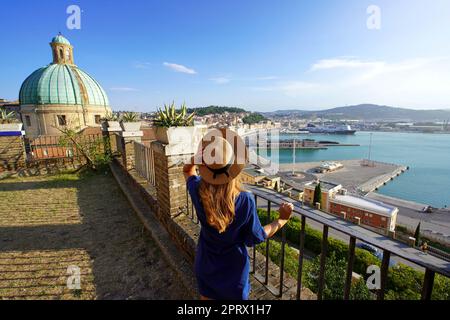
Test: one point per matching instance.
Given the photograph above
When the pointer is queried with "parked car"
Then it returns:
(375, 252)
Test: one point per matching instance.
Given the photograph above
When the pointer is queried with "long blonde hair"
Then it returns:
(218, 202)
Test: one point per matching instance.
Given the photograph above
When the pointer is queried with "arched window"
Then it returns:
(61, 54)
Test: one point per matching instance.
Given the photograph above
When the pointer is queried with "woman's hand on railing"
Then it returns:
(285, 214)
(285, 211)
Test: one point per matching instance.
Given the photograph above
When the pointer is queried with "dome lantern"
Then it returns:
(62, 50)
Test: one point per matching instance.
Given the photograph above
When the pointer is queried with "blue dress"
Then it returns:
(222, 263)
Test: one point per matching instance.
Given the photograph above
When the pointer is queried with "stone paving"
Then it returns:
(50, 223)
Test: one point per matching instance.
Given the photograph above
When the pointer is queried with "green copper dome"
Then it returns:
(60, 39)
(62, 84)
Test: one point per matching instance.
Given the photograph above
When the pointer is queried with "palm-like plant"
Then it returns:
(130, 117)
(110, 116)
(7, 117)
(170, 117)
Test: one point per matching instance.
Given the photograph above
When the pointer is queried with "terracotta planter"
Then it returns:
(131, 126)
(11, 127)
(175, 135)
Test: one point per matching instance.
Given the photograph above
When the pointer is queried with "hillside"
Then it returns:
(215, 110)
(367, 112)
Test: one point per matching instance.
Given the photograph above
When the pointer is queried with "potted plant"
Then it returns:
(174, 126)
(130, 121)
(111, 122)
(9, 122)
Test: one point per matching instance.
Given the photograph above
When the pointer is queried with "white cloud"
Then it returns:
(415, 82)
(141, 65)
(292, 88)
(179, 68)
(224, 79)
(221, 80)
(421, 83)
(265, 78)
(123, 89)
(336, 63)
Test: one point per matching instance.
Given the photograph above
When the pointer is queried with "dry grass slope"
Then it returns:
(50, 223)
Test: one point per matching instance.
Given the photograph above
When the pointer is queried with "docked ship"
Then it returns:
(332, 129)
(294, 131)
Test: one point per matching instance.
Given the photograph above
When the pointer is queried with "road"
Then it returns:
(436, 224)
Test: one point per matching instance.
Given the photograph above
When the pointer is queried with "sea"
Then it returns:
(427, 155)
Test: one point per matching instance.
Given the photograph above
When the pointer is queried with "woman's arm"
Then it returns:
(285, 215)
(189, 170)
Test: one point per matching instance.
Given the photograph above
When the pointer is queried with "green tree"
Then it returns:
(417, 235)
(89, 149)
(317, 194)
(253, 118)
(215, 110)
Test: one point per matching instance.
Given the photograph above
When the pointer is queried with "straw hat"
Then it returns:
(221, 156)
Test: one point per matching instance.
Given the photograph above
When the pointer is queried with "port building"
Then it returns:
(360, 210)
(364, 211)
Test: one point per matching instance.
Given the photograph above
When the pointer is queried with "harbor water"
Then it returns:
(427, 155)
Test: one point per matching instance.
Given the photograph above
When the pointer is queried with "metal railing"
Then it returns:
(431, 264)
(50, 147)
(190, 209)
(144, 162)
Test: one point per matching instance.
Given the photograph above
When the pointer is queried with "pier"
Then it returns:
(357, 176)
(300, 144)
(379, 181)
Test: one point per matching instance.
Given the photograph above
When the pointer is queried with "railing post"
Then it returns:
(323, 259)
(427, 287)
(283, 244)
(254, 247)
(300, 258)
(384, 273)
(266, 277)
(351, 258)
(169, 178)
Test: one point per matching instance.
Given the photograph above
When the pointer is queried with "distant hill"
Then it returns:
(215, 110)
(367, 112)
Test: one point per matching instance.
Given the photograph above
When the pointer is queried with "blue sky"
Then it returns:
(257, 54)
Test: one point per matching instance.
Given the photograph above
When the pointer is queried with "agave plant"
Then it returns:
(130, 117)
(170, 117)
(110, 116)
(7, 117)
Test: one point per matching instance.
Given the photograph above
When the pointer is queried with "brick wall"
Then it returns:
(12, 153)
(170, 184)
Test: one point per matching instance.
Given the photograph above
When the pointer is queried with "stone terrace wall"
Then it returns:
(12, 153)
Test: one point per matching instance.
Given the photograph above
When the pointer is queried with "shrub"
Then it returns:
(334, 283)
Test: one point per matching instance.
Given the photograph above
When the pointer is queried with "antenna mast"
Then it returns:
(293, 159)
